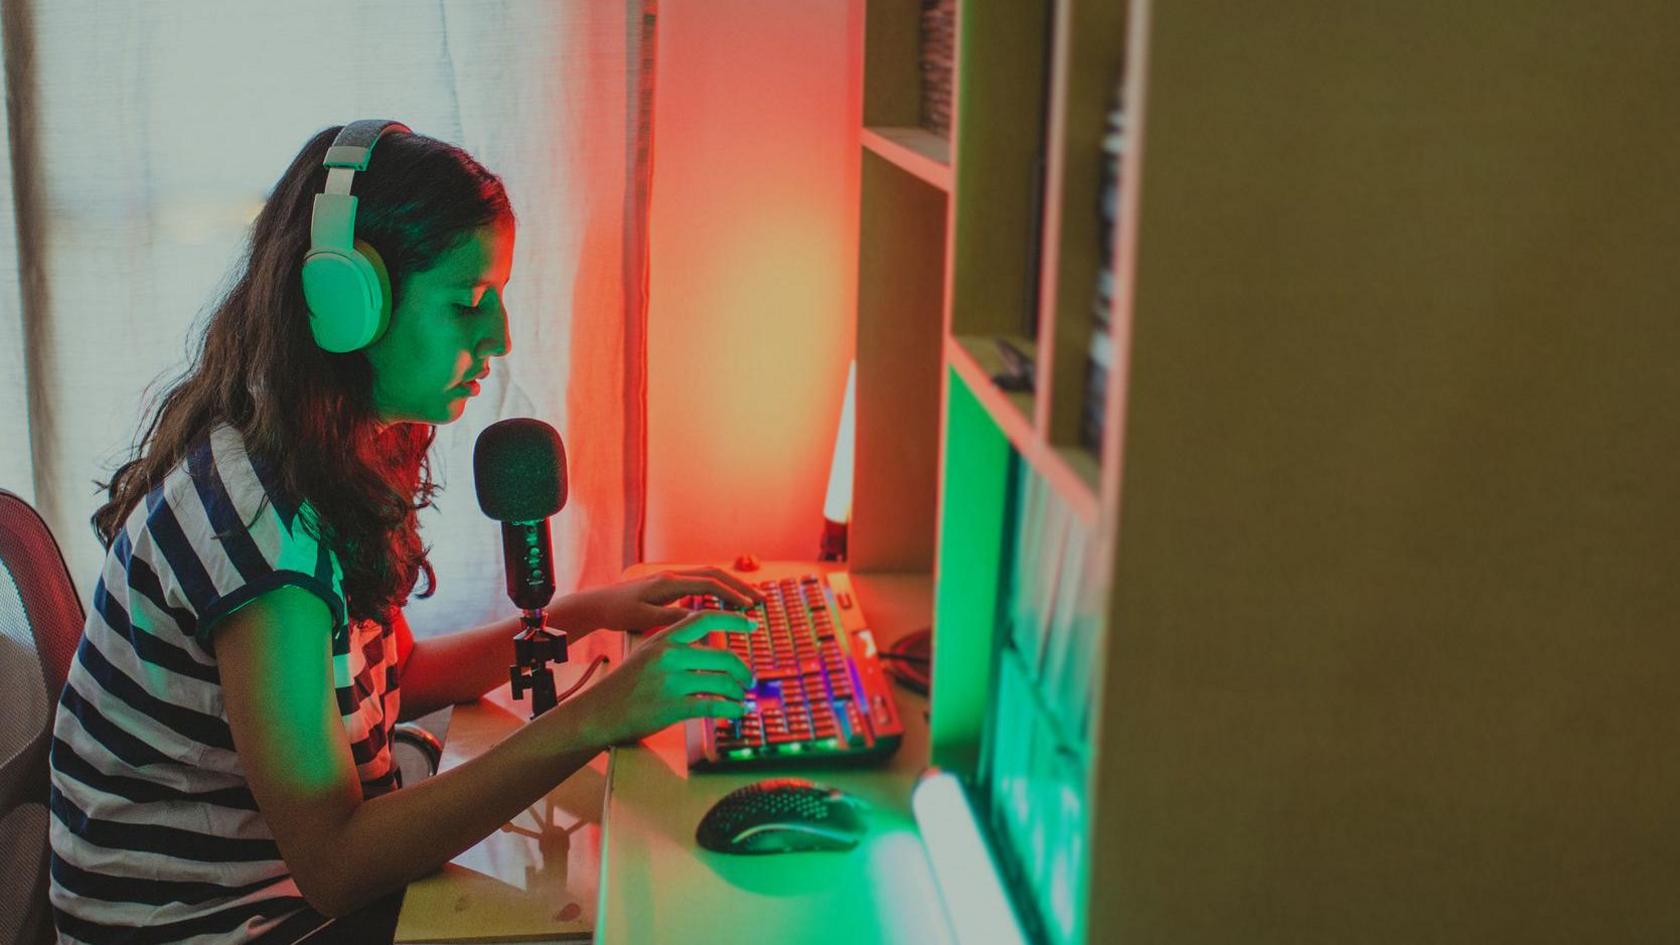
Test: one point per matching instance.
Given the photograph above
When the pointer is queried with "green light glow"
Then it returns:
(968, 576)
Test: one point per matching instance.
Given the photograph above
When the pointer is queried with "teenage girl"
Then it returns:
(221, 764)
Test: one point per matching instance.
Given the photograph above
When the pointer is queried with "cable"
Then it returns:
(906, 657)
(909, 660)
(600, 661)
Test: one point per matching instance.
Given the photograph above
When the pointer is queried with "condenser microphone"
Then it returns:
(519, 470)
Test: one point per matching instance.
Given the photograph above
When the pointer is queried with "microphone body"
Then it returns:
(519, 470)
(528, 552)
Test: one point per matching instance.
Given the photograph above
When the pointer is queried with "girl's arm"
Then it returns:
(344, 851)
(460, 667)
(457, 667)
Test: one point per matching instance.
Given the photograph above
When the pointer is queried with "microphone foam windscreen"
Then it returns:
(519, 469)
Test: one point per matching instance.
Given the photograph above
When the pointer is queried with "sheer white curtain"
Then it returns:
(143, 137)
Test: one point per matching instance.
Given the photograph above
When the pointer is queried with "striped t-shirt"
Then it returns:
(155, 835)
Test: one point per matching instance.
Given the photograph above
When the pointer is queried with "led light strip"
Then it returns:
(963, 868)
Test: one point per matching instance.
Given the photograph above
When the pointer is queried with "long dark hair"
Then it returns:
(306, 414)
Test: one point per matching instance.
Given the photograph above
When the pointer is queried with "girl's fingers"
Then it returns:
(747, 591)
(700, 705)
(723, 685)
(660, 616)
(705, 659)
(720, 584)
(696, 625)
(677, 587)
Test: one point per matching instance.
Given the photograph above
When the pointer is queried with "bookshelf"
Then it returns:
(1384, 326)
(980, 253)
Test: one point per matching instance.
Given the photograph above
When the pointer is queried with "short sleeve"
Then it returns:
(229, 536)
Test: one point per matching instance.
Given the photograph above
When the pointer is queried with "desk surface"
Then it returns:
(554, 874)
(657, 885)
(537, 878)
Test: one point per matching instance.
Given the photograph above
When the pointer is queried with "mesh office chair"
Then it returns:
(40, 625)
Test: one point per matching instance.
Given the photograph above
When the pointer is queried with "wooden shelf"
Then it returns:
(1085, 75)
(917, 150)
(900, 308)
(1071, 472)
(1087, 467)
(1262, 633)
(997, 161)
(976, 360)
(1007, 250)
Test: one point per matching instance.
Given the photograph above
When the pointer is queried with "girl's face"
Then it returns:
(441, 338)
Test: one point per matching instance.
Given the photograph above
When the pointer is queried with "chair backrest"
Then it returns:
(40, 625)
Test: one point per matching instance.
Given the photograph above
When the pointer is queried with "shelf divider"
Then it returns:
(917, 150)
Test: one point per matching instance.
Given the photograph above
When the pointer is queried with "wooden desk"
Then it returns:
(630, 871)
(536, 879)
(658, 886)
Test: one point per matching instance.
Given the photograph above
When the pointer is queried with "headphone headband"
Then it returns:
(333, 223)
(354, 144)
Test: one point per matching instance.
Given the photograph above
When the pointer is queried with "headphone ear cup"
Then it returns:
(349, 297)
(382, 316)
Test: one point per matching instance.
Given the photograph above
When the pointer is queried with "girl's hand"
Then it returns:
(644, 603)
(668, 679)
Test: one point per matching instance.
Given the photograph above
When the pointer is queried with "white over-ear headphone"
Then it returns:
(344, 280)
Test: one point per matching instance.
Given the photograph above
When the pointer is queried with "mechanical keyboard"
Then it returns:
(821, 695)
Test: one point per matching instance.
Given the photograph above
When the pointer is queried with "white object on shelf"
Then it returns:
(963, 868)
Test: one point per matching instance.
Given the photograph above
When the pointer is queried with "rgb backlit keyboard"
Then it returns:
(820, 696)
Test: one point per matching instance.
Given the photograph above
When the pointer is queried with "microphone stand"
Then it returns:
(533, 647)
(519, 465)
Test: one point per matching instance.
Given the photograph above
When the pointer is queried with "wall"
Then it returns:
(753, 270)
